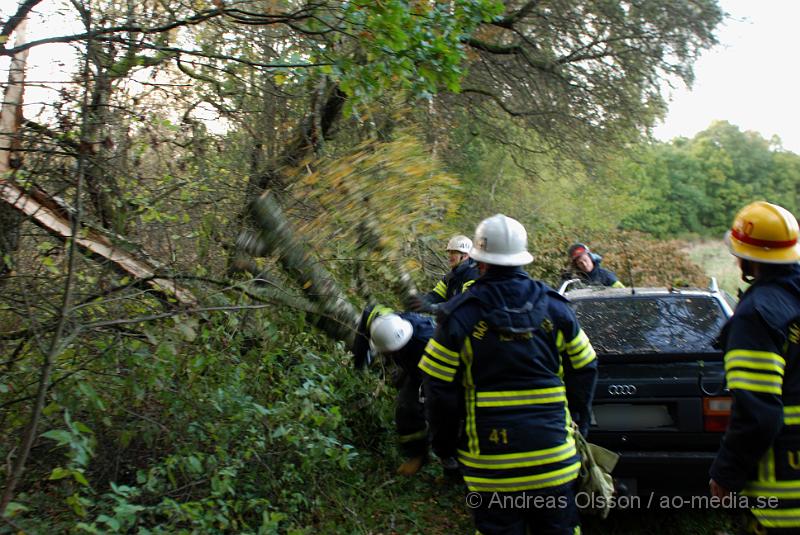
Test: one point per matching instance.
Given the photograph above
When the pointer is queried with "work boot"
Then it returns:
(411, 466)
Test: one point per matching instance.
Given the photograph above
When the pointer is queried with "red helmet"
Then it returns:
(576, 250)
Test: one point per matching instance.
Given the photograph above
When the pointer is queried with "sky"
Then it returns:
(751, 79)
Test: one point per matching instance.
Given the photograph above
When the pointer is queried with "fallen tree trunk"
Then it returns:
(338, 318)
(10, 119)
(51, 215)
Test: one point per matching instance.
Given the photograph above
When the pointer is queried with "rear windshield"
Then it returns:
(651, 324)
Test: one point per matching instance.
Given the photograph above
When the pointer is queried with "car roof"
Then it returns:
(620, 293)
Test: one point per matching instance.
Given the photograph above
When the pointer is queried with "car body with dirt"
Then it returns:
(660, 400)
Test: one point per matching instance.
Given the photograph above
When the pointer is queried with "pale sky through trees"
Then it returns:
(750, 80)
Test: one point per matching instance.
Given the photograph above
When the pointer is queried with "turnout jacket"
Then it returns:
(510, 358)
(455, 282)
(600, 276)
(407, 357)
(760, 452)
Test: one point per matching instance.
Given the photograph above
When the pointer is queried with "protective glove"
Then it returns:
(414, 303)
(362, 355)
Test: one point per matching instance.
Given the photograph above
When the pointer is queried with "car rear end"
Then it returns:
(660, 400)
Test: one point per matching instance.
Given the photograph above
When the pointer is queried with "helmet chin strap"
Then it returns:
(747, 270)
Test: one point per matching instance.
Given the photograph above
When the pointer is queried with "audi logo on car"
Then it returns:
(621, 390)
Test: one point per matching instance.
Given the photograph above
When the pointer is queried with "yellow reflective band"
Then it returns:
(467, 285)
(519, 460)
(756, 360)
(578, 342)
(469, 398)
(511, 484)
(791, 414)
(763, 467)
(439, 352)
(587, 356)
(436, 370)
(443, 349)
(778, 518)
(509, 398)
(560, 341)
(755, 382)
(441, 289)
(771, 464)
(378, 310)
(574, 350)
(413, 436)
(617, 284)
(780, 489)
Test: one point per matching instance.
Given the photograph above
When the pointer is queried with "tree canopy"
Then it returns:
(697, 185)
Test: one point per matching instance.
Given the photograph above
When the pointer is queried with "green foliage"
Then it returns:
(696, 186)
(540, 188)
(212, 435)
(414, 46)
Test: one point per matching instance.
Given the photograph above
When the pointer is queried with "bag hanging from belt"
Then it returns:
(594, 478)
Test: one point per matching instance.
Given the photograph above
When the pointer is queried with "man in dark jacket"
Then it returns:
(587, 267)
(507, 373)
(760, 452)
(401, 337)
(463, 272)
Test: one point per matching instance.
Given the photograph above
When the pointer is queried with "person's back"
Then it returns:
(759, 452)
(510, 354)
(511, 325)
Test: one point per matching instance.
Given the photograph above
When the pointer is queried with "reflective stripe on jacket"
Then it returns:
(760, 453)
(455, 282)
(508, 359)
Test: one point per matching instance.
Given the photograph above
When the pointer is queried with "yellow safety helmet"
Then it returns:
(764, 232)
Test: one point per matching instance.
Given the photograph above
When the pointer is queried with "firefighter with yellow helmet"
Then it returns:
(506, 374)
(760, 453)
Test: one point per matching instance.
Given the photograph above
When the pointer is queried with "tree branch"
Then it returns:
(15, 19)
(509, 20)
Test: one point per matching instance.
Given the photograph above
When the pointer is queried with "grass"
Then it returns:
(426, 505)
(713, 257)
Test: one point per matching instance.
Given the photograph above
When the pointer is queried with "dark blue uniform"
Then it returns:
(760, 453)
(510, 358)
(599, 276)
(410, 422)
(455, 282)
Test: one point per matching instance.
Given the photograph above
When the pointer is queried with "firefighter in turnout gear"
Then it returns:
(760, 453)
(511, 359)
(463, 272)
(401, 337)
(588, 267)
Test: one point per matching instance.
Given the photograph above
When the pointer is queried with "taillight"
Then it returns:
(716, 413)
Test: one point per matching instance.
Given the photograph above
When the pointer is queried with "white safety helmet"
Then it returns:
(501, 241)
(389, 333)
(459, 243)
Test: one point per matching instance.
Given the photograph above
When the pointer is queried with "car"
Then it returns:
(660, 401)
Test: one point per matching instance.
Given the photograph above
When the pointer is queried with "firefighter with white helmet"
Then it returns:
(511, 361)
(401, 337)
(463, 272)
(760, 453)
